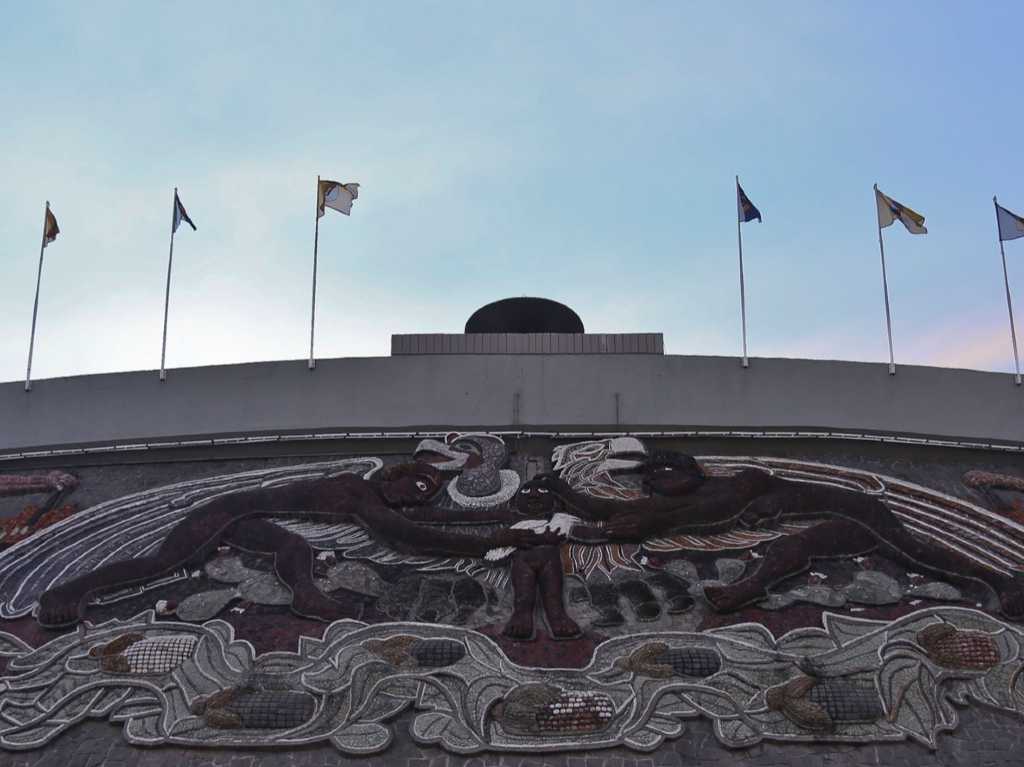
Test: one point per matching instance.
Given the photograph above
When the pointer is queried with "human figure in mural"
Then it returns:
(538, 569)
(682, 500)
(237, 520)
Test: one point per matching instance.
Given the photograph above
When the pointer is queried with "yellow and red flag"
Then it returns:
(50, 230)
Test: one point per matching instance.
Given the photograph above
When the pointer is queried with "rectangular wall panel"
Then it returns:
(527, 343)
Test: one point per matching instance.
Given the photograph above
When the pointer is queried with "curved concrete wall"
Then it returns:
(502, 391)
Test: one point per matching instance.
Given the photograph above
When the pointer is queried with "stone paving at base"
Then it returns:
(983, 739)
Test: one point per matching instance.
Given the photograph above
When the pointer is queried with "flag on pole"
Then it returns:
(747, 210)
(332, 194)
(50, 232)
(339, 197)
(889, 210)
(50, 229)
(1011, 226)
(180, 214)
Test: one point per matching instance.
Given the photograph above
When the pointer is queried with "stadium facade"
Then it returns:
(525, 543)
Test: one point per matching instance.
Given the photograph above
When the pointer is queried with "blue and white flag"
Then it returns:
(1011, 226)
(180, 215)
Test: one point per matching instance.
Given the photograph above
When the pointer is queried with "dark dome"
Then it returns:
(524, 315)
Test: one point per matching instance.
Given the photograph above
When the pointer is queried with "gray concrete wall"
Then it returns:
(557, 391)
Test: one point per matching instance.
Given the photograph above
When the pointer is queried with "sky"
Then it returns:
(584, 152)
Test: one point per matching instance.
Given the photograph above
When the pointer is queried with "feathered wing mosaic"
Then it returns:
(598, 596)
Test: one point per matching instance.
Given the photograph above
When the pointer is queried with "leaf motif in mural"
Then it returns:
(442, 728)
(737, 732)
(710, 701)
(806, 642)
(909, 693)
(1004, 685)
(60, 707)
(309, 647)
(146, 730)
(139, 703)
(191, 726)
(11, 646)
(486, 653)
(45, 658)
(366, 678)
(481, 695)
(646, 739)
(751, 634)
(664, 722)
(844, 629)
(362, 738)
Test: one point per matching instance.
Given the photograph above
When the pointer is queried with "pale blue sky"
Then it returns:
(580, 151)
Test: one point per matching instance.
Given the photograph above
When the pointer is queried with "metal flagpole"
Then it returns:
(35, 306)
(167, 292)
(316, 242)
(885, 289)
(743, 295)
(1009, 304)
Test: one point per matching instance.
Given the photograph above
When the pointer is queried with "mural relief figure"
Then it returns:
(237, 519)
(538, 569)
(683, 500)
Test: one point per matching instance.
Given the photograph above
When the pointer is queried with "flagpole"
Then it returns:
(316, 242)
(167, 291)
(35, 305)
(885, 290)
(1009, 304)
(743, 295)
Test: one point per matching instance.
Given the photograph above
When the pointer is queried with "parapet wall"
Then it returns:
(502, 391)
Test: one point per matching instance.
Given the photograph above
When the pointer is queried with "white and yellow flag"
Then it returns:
(889, 210)
(335, 195)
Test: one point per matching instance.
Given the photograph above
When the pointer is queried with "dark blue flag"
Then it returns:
(745, 208)
(180, 215)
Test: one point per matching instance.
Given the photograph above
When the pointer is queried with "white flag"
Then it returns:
(338, 196)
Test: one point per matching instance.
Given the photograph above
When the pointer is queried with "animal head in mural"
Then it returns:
(597, 467)
(479, 459)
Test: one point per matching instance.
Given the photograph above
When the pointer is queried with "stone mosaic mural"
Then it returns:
(598, 594)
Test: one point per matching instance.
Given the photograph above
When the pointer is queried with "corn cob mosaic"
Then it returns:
(852, 680)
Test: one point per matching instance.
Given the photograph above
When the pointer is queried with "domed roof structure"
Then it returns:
(524, 315)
